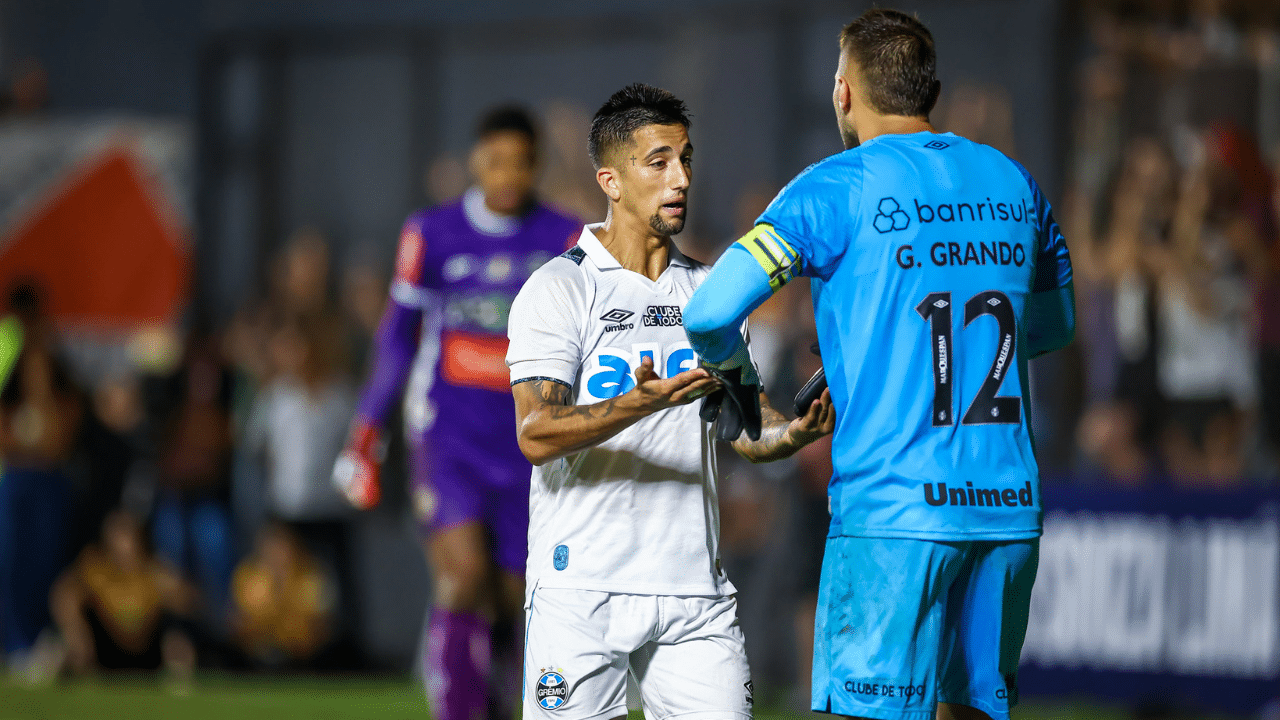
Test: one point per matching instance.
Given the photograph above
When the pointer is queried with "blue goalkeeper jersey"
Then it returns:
(923, 250)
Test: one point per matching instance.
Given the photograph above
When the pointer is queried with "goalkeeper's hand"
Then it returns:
(735, 407)
(357, 471)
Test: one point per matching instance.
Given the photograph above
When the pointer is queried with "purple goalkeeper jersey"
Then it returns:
(445, 330)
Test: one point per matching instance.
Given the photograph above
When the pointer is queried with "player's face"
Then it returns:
(654, 176)
(504, 165)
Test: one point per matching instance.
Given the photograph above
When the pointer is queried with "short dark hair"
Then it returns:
(894, 52)
(628, 110)
(507, 118)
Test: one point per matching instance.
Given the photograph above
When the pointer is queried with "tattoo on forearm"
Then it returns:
(556, 396)
(770, 417)
(773, 435)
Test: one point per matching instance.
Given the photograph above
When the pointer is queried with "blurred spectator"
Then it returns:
(567, 179)
(192, 524)
(363, 297)
(119, 608)
(112, 454)
(445, 179)
(1108, 438)
(1206, 365)
(39, 416)
(283, 601)
(302, 280)
(1118, 259)
(299, 296)
(299, 286)
(982, 113)
(299, 423)
(297, 426)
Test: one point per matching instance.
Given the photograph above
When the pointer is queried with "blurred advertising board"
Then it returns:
(1157, 594)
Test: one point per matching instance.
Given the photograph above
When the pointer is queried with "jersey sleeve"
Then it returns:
(807, 228)
(545, 326)
(734, 288)
(412, 286)
(396, 342)
(1053, 262)
(1051, 311)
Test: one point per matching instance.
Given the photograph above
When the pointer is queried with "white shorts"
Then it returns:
(685, 653)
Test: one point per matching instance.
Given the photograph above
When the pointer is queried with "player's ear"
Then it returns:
(842, 96)
(608, 179)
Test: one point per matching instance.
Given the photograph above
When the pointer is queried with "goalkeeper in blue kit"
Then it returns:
(937, 271)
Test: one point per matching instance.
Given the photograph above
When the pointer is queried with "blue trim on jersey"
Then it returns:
(524, 661)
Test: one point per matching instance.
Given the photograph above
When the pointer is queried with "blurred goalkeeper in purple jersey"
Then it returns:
(442, 344)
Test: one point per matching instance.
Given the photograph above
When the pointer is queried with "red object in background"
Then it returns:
(104, 248)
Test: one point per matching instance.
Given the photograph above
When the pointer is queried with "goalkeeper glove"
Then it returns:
(734, 407)
(356, 473)
(812, 390)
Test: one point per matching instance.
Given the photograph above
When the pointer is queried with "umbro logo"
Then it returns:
(617, 320)
(936, 145)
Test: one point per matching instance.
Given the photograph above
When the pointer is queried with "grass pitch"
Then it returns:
(313, 698)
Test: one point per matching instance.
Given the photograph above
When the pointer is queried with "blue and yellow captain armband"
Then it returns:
(780, 261)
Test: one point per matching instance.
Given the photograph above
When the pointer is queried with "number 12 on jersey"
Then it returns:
(986, 407)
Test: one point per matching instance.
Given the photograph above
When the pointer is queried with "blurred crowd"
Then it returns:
(180, 510)
(1170, 214)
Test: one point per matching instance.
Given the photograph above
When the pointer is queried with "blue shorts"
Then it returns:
(905, 624)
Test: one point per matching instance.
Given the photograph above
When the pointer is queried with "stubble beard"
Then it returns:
(848, 135)
(666, 227)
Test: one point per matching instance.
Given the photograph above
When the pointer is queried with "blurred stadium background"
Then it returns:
(177, 175)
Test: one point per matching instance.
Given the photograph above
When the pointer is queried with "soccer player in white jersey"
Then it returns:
(624, 568)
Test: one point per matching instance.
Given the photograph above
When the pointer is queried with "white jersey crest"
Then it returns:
(639, 512)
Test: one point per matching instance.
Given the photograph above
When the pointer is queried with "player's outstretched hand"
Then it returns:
(653, 393)
(818, 421)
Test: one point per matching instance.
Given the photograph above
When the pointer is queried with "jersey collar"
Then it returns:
(591, 245)
(484, 220)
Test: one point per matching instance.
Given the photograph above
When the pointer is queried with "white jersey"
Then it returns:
(637, 513)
